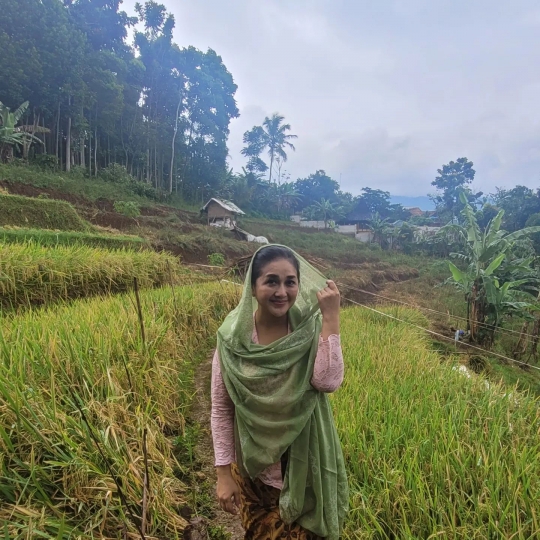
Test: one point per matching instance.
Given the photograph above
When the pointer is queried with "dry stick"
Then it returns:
(146, 484)
(172, 289)
(139, 311)
(121, 494)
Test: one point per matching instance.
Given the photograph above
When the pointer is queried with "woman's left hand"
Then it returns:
(329, 301)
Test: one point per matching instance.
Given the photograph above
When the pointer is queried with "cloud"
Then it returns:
(383, 92)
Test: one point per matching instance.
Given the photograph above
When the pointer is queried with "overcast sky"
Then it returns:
(383, 92)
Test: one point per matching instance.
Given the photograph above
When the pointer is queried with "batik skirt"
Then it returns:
(259, 512)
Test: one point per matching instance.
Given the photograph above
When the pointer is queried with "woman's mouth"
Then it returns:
(279, 303)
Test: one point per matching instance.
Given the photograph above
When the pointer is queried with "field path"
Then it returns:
(204, 451)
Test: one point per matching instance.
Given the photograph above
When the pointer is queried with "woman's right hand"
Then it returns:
(228, 492)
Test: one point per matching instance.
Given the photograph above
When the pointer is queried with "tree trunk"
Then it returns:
(68, 139)
(172, 147)
(271, 165)
(57, 143)
(95, 150)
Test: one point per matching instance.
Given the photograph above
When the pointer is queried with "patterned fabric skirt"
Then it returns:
(259, 512)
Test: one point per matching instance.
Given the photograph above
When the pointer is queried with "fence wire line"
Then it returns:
(490, 353)
(504, 330)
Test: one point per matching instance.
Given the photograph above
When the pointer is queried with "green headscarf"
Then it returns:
(277, 410)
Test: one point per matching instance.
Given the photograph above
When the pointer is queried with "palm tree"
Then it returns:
(271, 135)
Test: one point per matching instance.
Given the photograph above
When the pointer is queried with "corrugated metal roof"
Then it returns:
(228, 205)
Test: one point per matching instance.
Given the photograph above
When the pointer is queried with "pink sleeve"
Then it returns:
(221, 418)
(328, 369)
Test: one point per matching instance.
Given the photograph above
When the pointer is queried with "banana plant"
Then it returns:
(12, 135)
(488, 298)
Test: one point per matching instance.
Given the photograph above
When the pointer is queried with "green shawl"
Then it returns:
(277, 410)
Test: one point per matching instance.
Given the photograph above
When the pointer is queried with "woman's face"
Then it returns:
(276, 288)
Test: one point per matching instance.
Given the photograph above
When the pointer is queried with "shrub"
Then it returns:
(116, 174)
(127, 208)
(216, 259)
(46, 162)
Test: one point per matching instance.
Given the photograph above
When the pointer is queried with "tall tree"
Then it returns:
(454, 178)
(518, 203)
(317, 186)
(273, 136)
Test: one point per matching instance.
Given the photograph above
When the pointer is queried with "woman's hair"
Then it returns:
(269, 254)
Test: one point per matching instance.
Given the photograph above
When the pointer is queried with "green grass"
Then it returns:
(39, 213)
(90, 356)
(430, 453)
(31, 274)
(43, 237)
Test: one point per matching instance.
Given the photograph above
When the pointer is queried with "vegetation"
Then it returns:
(76, 402)
(33, 274)
(39, 213)
(42, 237)
(272, 135)
(127, 208)
(422, 460)
(493, 290)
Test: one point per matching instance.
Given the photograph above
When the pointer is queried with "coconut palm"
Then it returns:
(272, 135)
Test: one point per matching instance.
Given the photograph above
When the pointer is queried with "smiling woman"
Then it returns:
(278, 355)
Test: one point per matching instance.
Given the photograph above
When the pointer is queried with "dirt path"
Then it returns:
(204, 451)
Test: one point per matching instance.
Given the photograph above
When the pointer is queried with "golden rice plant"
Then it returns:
(62, 365)
(31, 274)
(430, 452)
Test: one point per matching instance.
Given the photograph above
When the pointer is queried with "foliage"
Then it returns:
(315, 187)
(492, 290)
(325, 210)
(454, 179)
(519, 204)
(43, 237)
(216, 259)
(35, 274)
(430, 451)
(12, 135)
(157, 109)
(272, 135)
(127, 208)
(88, 358)
(39, 213)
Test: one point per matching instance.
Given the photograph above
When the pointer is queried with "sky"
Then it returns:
(381, 93)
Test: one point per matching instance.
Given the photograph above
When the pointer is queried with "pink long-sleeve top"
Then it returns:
(327, 377)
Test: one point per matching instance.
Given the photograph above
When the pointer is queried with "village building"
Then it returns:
(221, 213)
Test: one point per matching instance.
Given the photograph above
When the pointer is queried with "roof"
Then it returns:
(227, 205)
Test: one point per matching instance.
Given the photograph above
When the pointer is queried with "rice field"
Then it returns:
(31, 274)
(431, 453)
(80, 392)
(43, 237)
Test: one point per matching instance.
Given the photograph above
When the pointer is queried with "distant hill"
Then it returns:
(424, 203)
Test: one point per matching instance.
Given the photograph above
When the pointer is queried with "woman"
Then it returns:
(278, 456)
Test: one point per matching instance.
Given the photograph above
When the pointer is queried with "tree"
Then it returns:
(380, 228)
(326, 210)
(454, 178)
(315, 187)
(273, 136)
(492, 289)
(12, 135)
(518, 203)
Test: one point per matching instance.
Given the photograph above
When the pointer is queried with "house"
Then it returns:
(221, 213)
(414, 210)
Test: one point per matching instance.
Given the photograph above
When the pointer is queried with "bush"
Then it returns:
(116, 174)
(39, 213)
(127, 208)
(216, 259)
(47, 162)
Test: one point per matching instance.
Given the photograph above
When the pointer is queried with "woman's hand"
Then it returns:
(329, 302)
(228, 492)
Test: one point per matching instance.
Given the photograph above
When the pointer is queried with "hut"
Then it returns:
(221, 213)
